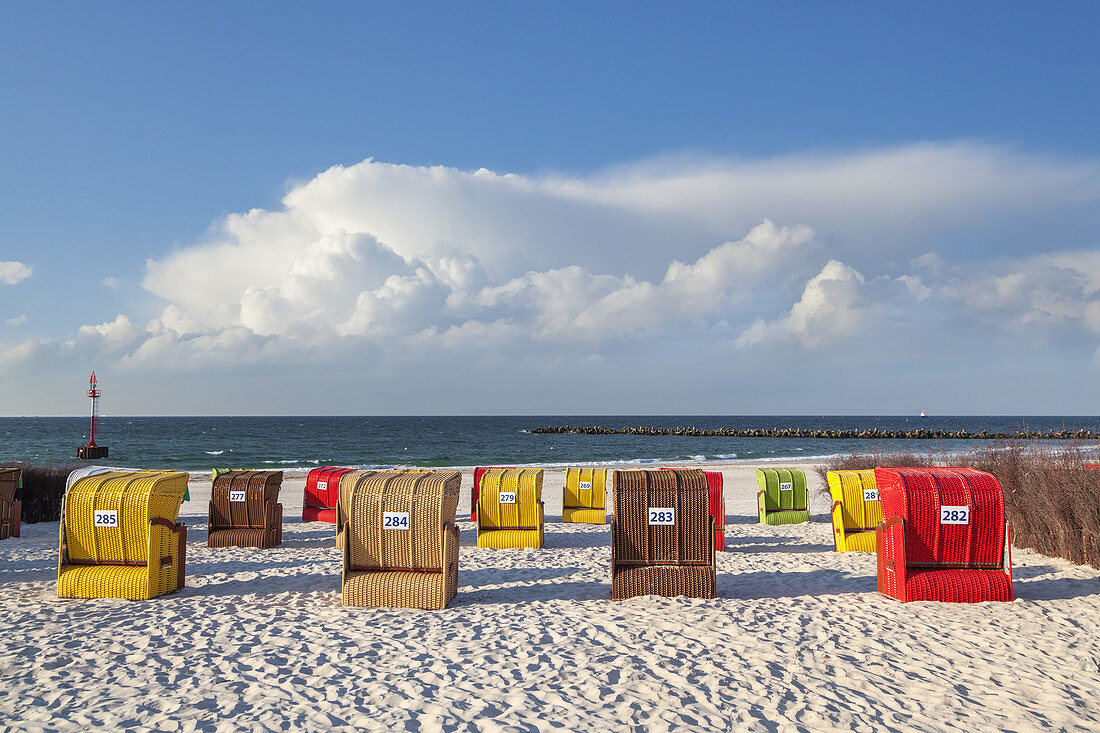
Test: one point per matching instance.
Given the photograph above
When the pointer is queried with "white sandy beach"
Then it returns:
(798, 639)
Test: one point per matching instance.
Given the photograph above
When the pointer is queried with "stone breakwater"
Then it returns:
(872, 434)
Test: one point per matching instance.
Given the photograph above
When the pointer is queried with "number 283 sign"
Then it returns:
(662, 516)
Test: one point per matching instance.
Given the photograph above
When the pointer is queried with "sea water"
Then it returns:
(301, 443)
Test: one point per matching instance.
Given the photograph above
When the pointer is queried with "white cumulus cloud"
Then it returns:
(376, 258)
(13, 272)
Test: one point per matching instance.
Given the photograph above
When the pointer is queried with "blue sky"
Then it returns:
(945, 157)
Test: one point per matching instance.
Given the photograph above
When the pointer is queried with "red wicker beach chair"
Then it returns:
(475, 490)
(245, 510)
(662, 535)
(944, 538)
(322, 494)
(717, 506)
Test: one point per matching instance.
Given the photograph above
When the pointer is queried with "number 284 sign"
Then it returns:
(395, 520)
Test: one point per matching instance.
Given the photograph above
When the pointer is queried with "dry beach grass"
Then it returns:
(1051, 497)
(798, 639)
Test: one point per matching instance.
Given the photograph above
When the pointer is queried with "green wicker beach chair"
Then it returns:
(782, 497)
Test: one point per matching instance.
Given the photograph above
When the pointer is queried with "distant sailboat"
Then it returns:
(922, 414)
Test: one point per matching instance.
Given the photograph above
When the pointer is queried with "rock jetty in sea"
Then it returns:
(826, 433)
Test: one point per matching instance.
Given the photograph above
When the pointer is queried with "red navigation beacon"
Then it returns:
(92, 451)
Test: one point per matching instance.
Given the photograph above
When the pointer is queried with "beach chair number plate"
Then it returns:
(322, 485)
(786, 486)
(105, 518)
(662, 516)
(507, 497)
(584, 485)
(395, 520)
(954, 515)
(870, 494)
(237, 496)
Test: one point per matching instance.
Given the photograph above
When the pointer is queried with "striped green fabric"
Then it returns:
(782, 493)
(785, 517)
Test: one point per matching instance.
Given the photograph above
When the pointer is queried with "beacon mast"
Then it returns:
(92, 451)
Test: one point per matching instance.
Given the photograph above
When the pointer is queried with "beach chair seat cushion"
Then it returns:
(317, 514)
(859, 541)
(958, 585)
(784, 516)
(104, 581)
(504, 539)
(240, 538)
(584, 516)
(694, 581)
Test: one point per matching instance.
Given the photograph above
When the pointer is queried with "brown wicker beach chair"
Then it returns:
(245, 510)
(10, 509)
(399, 538)
(662, 535)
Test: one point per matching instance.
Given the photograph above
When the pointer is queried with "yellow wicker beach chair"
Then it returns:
(584, 498)
(856, 510)
(119, 536)
(509, 508)
(400, 539)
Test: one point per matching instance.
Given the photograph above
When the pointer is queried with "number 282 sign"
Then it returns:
(954, 515)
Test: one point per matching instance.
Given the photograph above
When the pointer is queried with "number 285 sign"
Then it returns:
(105, 518)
